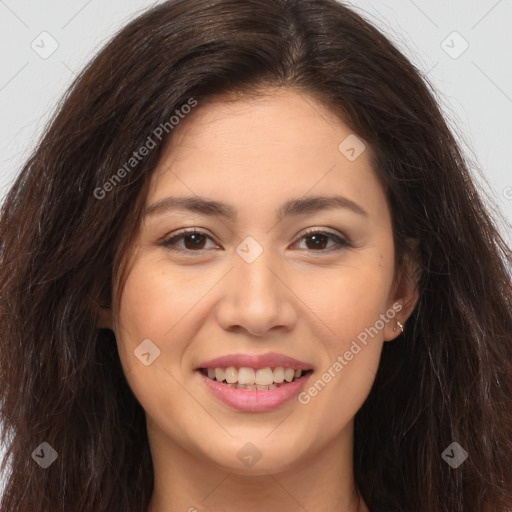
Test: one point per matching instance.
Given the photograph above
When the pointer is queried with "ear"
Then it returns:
(404, 292)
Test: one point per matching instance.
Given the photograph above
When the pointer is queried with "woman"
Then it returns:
(236, 206)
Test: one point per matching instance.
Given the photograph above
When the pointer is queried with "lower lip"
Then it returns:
(254, 401)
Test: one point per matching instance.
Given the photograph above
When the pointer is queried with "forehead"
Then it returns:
(283, 144)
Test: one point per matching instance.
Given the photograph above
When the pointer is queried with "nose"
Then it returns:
(256, 298)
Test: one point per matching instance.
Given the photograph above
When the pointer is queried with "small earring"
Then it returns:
(399, 325)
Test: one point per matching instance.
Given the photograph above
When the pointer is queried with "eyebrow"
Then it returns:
(293, 207)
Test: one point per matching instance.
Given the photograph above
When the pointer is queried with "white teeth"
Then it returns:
(289, 374)
(254, 379)
(264, 376)
(219, 374)
(231, 375)
(246, 375)
(279, 374)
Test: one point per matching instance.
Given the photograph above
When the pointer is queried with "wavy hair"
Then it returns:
(447, 379)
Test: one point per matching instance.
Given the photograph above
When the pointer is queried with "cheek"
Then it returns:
(339, 388)
(155, 300)
(152, 307)
(351, 304)
(351, 299)
(143, 300)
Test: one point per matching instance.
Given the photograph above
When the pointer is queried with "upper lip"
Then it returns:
(270, 359)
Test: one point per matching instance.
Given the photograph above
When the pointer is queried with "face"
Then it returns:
(287, 264)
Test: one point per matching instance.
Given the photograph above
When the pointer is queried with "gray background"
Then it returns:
(473, 88)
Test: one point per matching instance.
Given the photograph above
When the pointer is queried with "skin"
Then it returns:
(297, 299)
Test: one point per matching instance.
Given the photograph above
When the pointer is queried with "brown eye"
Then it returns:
(317, 241)
(193, 241)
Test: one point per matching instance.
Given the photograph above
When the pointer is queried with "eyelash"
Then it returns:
(169, 243)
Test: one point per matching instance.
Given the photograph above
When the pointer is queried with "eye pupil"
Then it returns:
(197, 240)
(318, 242)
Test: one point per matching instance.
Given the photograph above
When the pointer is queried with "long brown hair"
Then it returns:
(63, 234)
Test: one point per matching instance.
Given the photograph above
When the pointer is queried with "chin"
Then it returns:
(253, 458)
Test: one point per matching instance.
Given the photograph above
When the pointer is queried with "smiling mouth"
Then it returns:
(251, 379)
